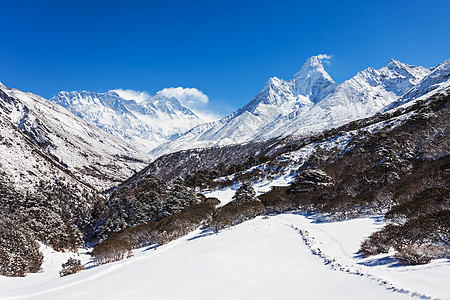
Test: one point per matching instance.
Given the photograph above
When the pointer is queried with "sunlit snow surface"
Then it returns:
(265, 258)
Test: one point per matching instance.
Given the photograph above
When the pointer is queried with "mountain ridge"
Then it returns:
(310, 101)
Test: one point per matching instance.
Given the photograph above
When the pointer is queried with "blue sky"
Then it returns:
(226, 49)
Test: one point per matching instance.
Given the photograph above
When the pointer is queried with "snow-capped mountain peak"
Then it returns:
(435, 80)
(395, 64)
(309, 85)
(413, 73)
(312, 65)
(312, 80)
(270, 94)
(169, 105)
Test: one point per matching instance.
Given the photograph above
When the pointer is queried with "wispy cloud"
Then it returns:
(325, 58)
(207, 115)
(193, 99)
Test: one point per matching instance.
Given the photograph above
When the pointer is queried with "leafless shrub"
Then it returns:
(414, 254)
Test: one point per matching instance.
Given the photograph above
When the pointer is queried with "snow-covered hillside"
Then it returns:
(311, 102)
(145, 124)
(288, 256)
(42, 140)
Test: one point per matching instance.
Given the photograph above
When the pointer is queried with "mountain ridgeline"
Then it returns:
(312, 102)
(76, 170)
(146, 123)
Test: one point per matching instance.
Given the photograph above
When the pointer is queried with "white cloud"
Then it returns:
(137, 96)
(193, 99)
(187, 96)
(324, 58)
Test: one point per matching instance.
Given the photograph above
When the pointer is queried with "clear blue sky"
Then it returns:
(227, 49)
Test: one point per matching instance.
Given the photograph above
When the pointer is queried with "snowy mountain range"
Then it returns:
(146, 124)
(42, 140)
(345, 175)
(312, 101)
(309, 102)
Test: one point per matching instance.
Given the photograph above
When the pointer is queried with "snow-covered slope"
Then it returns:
(146, 123)
(311, 101)
(287, 256)
(42, 140)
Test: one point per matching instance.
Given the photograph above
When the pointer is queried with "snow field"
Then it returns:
(264, 258)
(259, 259)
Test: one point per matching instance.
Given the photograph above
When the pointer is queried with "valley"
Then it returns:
(314, 188)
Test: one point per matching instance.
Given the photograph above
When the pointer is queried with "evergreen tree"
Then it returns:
(245, 193)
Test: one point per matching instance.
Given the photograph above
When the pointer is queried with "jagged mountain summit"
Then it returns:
(146, 123)
(41, 140)
(313, 81)
(310, 102)
(307, 87)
